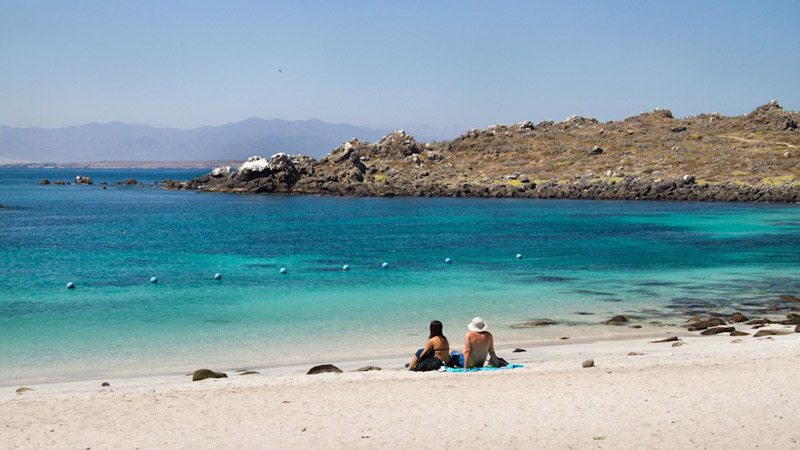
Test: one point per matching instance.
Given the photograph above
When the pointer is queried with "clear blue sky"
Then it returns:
(443, 63)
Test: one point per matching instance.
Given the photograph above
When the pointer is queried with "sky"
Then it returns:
(387, 64)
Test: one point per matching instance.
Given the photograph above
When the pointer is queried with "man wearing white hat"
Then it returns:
(478, 343)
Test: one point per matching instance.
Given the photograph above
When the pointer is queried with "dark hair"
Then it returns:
(436, 330)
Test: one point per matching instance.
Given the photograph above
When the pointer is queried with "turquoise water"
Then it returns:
(647, 260)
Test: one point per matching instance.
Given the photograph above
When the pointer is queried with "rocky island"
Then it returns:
(651, 156)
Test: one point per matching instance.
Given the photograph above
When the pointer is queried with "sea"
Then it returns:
(509, 261)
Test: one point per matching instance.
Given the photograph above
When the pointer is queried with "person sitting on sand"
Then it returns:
(436, 352)
(478, 343)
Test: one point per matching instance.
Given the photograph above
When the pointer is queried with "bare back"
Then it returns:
(477, 346)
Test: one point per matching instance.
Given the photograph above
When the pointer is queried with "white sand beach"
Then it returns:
(711, 392)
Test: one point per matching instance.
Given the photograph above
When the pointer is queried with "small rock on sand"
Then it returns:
(367, 368)
(105, 384)
(738, 317)
(323, 368)
(717, 330)
(669, 339)
(202, 374)
(518, 350)
(760, 333)
(23, 389)
(588, 363)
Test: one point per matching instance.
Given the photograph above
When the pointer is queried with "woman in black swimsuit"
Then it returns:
(436, 352)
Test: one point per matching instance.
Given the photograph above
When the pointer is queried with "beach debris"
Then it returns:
(70, 285)
(21, 390)
(588, 363)
(669, 339)
(760, 333)
(717, 330)
(519, 255)
(534, 324)
(789, 298)
(217, 276)
(518, 350)
(599, 438)
(738, 317)
(703, 324)
(282, 270)
(153, 280)
(739, 333)
(105, 384)
(44, 181)
(678, 344)
(617, 320)
(448, 260)
(345, 267)
(202, 374)
(249, 372)
(385, 265)
(635, 354)
(367, 369)
(323, 368)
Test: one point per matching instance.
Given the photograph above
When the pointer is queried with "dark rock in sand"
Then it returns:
(760, 333)
(202, 374)
(105, 384)
(324, 368)
(703, 324)
(588, 363)
(518, 350)
(789, 298)
(759, 322)
(717, 330)
(617, 320)
(44, 181)
(249, 372)
(738, 317)
(534, 324)
(23, 389)
(367, 369)
(669, 339)
(739, 333)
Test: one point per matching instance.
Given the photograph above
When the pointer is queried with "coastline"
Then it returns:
(671, 396)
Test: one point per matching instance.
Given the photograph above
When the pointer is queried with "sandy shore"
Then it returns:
(711, 392)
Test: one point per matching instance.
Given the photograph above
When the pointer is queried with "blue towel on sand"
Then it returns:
(480, 369)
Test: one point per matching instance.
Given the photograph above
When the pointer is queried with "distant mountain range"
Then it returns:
(117, 141)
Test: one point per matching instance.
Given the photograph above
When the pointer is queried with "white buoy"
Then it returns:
(217, 276)
(70, 285)
(345, 267)
(283, 270)
(519, 255)
(153, 280)
(447, 260)
(385, 265)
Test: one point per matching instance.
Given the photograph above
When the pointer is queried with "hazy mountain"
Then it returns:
(120, 141)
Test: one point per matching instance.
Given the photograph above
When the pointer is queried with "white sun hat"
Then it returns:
(477, 325)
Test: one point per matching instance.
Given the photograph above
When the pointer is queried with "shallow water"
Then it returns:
(652, 261)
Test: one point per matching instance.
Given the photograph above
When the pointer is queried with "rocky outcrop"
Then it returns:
(83, 180)
(126, 181)
(698, 159)
(44, 181)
